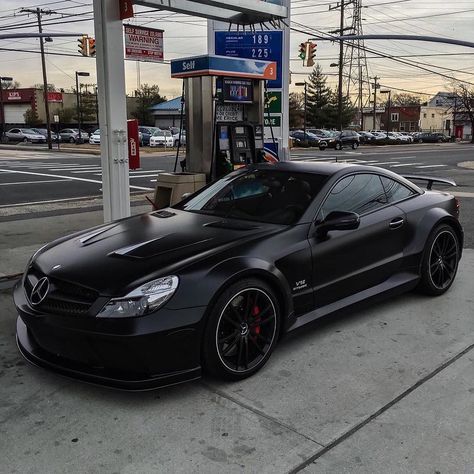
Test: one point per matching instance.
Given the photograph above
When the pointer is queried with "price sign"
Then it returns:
(263, 45)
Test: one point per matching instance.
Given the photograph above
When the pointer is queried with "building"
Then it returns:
(436, 119)
(17, 102)
(404, 118)
(168, 114)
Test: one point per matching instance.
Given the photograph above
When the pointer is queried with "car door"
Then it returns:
(349, 261)
(14, 134)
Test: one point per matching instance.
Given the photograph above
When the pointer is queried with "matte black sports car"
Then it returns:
(213, 282)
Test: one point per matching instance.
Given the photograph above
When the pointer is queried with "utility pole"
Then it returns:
(39, 12)
(342, 6)
(376, 86)
(341, 67)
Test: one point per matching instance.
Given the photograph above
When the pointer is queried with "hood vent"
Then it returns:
(232, 225)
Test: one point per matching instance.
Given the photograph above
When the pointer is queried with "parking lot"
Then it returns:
(387, 389)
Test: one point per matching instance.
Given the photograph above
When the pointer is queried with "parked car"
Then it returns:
(304, 140)
(145, 133)
(342, 139)
(212, 283)
(432, 137)
(176, 139)
(366, 137)
(404, 138)
(44, 132)
(95, 138)
(24, 135)
(71, 135)
(161, 138)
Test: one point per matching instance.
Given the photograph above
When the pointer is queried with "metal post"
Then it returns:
(78, 106)
(2, 111)
(389, 119)
(97, 107)
(45, 81)
(375, 102)
(305, 105)
(112, 109)
(341, 66)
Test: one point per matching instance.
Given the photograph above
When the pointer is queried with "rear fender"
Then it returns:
(431, 219)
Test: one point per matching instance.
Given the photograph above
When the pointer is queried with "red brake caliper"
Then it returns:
(255, 314)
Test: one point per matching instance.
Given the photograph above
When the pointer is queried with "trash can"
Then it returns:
(170, 187)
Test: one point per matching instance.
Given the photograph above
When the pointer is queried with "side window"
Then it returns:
(394, 190)
(358, 193)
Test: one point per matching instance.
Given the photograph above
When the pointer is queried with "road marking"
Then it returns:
(75, 168)
(91, 170)
(405, 164)
(462, 194)
(143, 176)
(387, 163)
(432, 166)
(35, 182)
(74, 178)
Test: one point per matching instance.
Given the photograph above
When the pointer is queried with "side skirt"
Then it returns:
(397, 284)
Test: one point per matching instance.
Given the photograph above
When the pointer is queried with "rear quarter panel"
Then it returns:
(423, 214)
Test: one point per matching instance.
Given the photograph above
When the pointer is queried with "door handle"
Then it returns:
(396, 223)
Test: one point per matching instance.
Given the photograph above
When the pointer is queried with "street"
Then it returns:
(35, 182)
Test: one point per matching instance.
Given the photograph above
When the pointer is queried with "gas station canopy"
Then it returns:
(243, 12)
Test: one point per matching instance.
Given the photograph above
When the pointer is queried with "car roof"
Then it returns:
(331, 169)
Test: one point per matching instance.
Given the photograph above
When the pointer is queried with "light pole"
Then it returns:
(2, 110)
(78, 105)
(305, 84)
(389, 119)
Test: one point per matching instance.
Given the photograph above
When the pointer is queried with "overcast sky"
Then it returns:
(186, 36)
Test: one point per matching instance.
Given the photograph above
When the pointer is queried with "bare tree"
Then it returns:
(465, 104)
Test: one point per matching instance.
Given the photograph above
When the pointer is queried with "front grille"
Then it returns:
(63, 298)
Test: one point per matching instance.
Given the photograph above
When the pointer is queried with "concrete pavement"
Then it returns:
(386, 389)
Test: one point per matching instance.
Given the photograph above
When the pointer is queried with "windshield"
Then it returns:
(275, 197)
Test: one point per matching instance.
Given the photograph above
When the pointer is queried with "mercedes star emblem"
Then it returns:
(40, 291)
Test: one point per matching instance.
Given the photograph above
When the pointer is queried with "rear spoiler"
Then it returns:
(430, 180)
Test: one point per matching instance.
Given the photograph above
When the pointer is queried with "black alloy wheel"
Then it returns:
(242, 330)
(440, 262)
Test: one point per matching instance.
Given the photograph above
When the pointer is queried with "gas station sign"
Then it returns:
(210, 65)
(273, 102)
(266, 45)
(143, 44)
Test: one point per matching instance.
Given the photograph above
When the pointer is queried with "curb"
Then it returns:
(9, 281)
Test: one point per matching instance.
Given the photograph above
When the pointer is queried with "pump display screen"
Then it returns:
(237, 90)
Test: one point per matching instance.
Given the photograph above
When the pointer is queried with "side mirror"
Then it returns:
(338, 220)
(185, 195)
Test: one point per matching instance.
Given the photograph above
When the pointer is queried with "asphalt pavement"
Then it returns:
(385, 389)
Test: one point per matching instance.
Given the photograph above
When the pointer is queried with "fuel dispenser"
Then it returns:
(224, 101)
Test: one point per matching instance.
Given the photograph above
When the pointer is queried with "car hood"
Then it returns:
(114, 258)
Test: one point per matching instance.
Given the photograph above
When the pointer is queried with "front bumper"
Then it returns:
(142, 353)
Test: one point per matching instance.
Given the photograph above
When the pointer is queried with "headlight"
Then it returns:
(143, 300)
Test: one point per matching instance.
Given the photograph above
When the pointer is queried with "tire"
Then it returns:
(440, 261)
(238, 341)
(355, 145)
(25, 140)
(71, 140)
(322, 148)
(338, 146)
